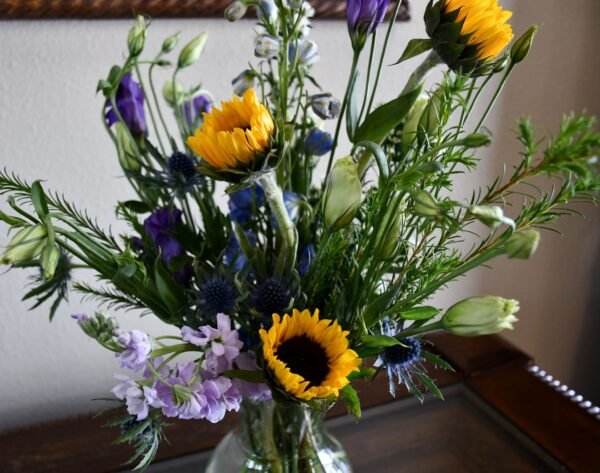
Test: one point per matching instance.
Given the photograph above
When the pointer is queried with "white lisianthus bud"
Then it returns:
(411, 126)
(523, 244)
(235, 10)
(170, 43)
(343, 194)
(172, 93)
(482, 315)
(425, 204)
(25, 245)
(389, 233)
(244, 81)
(49, 260)
(491, 216)
(192, 51)
(127, 149)
(137, 36)
(266, 46)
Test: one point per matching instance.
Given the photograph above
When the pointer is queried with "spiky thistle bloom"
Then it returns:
(308, 357)
(231, 137)
(180, 164)
(217, 295)
(271, 296)
(468, 34)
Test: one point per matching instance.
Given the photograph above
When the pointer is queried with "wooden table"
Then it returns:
(501, 414)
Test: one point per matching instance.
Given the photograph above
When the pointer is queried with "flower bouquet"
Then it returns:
(320, 270)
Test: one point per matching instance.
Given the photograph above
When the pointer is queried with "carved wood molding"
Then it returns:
(95, 9)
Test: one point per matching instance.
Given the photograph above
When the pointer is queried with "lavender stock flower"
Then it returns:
(195, 107)
(138, 399)
(130, 105)
(363, 17)
(137, 349)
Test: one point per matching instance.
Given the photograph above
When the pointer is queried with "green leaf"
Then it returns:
(378, 341)
(352, 110)
(384, 119)
(251, 376)
(377, 306)
(350, 397)
(436, 360)
(414, 48)
(169, 291)
(380, 158)
(419, 313)
(430, 385)
(13, 221)
(38, 198)
(136, 206)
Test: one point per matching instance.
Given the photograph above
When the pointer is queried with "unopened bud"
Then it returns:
(137, 36)
(49, 260)
(308, 52)
(411, 126)
(325, 106)
(266, 46)
(476, 140)
(127, 149)
(242, 82)
(172, 93)
(235, 10)
(25, 245)
(491, 216)
(522, 46)
(425, 205)
(343, 194)
(390, 228)
(170, 43)
(480, 316)
(523, 244)
(192, 51)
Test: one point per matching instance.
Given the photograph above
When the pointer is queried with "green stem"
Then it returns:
(496, 95)
(155, 96)
(368, 80)
(179, 348)
(420, 73)
(150, 108)
(286, 227)
(433, 327)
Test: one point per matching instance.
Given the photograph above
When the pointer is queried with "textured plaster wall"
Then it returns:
(50, 129)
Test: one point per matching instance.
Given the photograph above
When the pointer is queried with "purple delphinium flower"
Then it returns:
(138, 398)
(253, 391)
(130, 104)
(244, 203)
(318, 142)
(234, 256)
(221, 345)
(363, 17)
(190, 397)
(137, 349)
(306, 258)
(160, 226)
(195, 107)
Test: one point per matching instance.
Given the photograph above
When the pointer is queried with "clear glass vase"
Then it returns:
(279, 437)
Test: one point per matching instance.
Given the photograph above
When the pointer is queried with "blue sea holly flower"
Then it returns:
(195, 107)
(318, 142)
(243, 204)
(402, 360)
(363, 17)
(271, 296)
(183, 165)
(217, 295)
(130, 104)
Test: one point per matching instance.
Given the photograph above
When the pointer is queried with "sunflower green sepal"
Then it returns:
(465, 37)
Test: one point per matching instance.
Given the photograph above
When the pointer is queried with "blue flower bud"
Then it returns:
(318, 142)
(235, 10)
(325, 106)
(244, 81)
(266, 46)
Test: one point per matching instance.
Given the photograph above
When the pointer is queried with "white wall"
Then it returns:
(50, 129)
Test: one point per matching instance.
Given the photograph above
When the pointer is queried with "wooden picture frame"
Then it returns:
(102, 9)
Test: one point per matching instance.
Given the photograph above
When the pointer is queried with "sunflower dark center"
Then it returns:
(305, 357)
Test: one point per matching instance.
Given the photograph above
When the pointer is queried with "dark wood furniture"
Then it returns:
(501, 414)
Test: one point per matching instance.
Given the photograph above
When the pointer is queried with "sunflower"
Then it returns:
(468, 33)
(308, 357)
(231, 136)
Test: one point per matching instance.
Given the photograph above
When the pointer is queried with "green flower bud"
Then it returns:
(425, 204)
(389, 234)
(49, 260)
(101, 328)
(25, 245)
(480, 316)
(173, 94)
(523, 244)
(476, 140)
(170, 43)
(137, 36)
(343, 194)
(411, 126)
(522, 46)
(127, 149)
(192, 51)
(491, 216)
(236, 10)
(437, 111)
